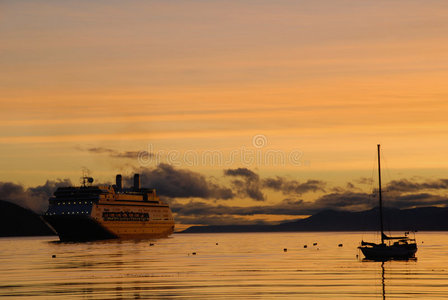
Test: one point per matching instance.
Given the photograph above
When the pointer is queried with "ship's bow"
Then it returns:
(78, 228)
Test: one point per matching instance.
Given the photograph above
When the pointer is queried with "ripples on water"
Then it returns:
(242, 265)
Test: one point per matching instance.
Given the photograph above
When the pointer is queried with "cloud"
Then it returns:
(117, 154)
(346, 200)
(243, 172)
(182, 183)
(417, 200)
(177, 185)
(251, 189)
(289, 206)
(348, 187)
(288, 187)
(397, 197)
(34, 198)
(365, 181)
(250, 186)
(199, 208)
(218, 220)
(405, 185)
(49, 187)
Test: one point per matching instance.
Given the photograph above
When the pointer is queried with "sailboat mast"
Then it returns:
(379, 193)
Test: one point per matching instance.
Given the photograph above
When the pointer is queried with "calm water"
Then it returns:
(242, 265)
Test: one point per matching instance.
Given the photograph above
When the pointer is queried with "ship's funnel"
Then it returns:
(136, 182)
(118, 182)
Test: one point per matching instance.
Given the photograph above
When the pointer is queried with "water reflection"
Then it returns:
(225, 266)
(383, 269)
(383, 281)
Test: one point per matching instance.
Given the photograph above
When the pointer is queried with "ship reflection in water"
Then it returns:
(234, 265)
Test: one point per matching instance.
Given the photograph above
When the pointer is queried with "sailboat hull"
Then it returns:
(384, 252)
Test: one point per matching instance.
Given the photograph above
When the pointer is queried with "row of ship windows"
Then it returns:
(124, 216)
(79, 202)
(70, 213)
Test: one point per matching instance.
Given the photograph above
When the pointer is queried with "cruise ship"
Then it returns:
(89, 212)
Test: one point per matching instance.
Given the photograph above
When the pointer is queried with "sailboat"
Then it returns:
(391, 247)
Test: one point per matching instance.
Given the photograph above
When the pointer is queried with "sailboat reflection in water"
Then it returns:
(398, 247)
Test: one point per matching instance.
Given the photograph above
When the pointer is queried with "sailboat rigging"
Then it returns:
(398, 247)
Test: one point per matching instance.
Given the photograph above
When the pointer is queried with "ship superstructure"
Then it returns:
(105, 212)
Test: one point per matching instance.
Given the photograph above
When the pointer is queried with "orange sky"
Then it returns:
(330, 79)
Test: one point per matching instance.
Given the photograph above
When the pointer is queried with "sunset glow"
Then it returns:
(93, 84)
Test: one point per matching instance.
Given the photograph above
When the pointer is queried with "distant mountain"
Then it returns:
(425, 218)
(18, 221)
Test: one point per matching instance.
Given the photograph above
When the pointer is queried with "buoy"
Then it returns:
(305, 246)
(340, 245)
(314, 244)
(284, 249)
(53, 256)
(216, 243)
